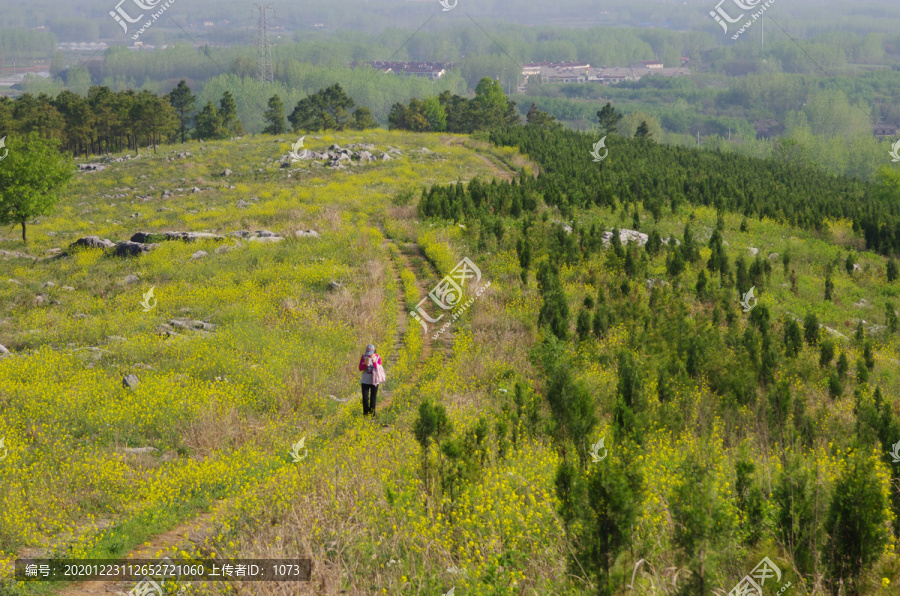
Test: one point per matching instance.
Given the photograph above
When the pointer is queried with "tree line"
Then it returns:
(106, 122)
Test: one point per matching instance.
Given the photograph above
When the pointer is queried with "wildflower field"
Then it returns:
(474, 475)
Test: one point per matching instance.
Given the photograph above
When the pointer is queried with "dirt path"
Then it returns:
(185, 535)
(194, 531)
(413, 259)
(497, 169)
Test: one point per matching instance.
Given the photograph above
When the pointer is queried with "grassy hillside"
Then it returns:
(718, 438)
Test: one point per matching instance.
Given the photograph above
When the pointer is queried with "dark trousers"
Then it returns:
(369, 393)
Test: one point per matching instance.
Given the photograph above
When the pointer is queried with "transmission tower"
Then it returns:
(264, 70)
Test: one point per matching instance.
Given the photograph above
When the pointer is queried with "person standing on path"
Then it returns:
(367, 365)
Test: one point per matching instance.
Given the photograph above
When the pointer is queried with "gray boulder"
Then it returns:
(199, 255)
(92, 242)
(130, 249)
(141, 237)
(227, 172)
(626, 236)
(130, 381)
(131, 279)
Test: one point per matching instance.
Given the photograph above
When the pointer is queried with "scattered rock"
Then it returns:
(191, 236)
(137, 450)
(753, 251)
(195, 190)
(17, 255)
(774, 255)
(863, 303)
(141, 237)
(189, 324)
(49, 284)
(199, 255)
(68, 288)
(626, 236)
(130, 249)
(14, 281)
(242, 204)
(307, 233)
(265, 239)
(386, 157)
(856, 267)
(131, 279)
(227, 172)
(130, 382)
(334, 286)
(79, 315)
(40, 299)
(3, 351)
(91, 167)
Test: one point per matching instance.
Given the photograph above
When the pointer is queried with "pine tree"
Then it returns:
(184, 102)
(869, 355)
(892, 272)
(793, 341)
(843, 365)
(274, 117)
(643, 131)
(848, 263)
(609, 118)
(855, 542)
(209, 123)
(363, 119)
(702, 523)
(829, 285)
(798, 506)
(228, 113)
(701, 284)
(890, 317)
(583, 325)
(826, 352)
(811, 329)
